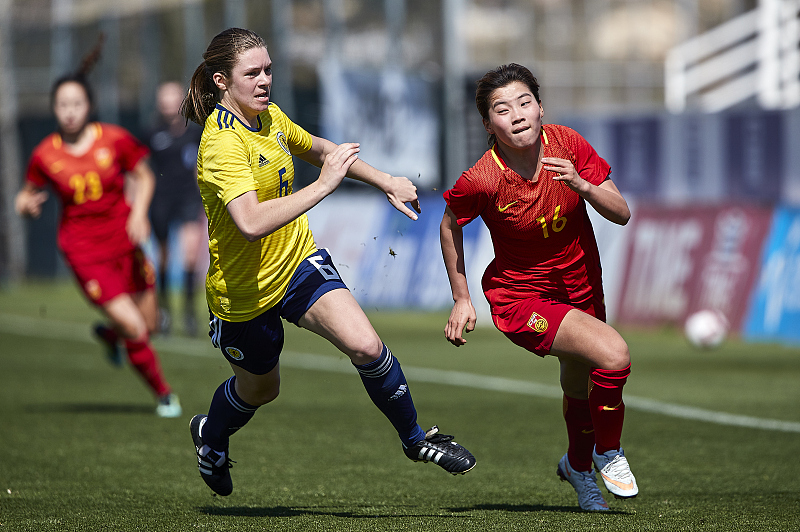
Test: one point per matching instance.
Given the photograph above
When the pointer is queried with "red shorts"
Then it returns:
(127, 274)
(533, 323)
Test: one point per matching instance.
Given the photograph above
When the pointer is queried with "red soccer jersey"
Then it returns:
(91, 187)
(543, 241)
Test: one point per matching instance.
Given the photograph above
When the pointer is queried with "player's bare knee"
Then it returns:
(617, 357)
(366, 349)
(134, 331)
(267, 396)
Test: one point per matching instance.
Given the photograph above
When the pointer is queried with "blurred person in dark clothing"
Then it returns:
(176, 203)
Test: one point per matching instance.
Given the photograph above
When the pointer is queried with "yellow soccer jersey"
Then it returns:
(246, 278)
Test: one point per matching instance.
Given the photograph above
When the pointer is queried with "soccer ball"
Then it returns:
(706, 328)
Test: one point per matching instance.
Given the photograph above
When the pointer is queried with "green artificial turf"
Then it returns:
(80, 447)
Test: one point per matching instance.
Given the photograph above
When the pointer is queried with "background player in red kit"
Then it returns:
(544, 285)
(85, 163)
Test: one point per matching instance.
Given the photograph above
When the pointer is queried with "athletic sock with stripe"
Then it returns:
(387, 387)
(227, 414)
(607, 407)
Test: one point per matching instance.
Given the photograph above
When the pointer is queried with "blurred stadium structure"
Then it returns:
(753, 54)
(689, 100)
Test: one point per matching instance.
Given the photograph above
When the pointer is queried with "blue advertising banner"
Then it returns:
(753, 156)
(635, 158)
(774, 312)
(389, 261)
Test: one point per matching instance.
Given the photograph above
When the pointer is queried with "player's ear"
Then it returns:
(220, 81)
(488, 127)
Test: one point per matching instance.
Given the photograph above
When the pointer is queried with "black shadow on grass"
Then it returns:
(529, 508)
(295, 511)
(89, 408)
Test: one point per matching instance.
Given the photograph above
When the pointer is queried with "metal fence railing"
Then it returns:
(753, 55)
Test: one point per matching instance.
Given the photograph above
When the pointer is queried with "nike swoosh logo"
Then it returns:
(613, 407)
(503, 209)
(628, 486)
(587, 431)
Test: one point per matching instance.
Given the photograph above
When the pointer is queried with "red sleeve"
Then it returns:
(467, 199)
(130, 151)
(35, 174)
(589, 164)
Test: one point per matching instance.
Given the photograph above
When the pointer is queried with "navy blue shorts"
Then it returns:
(256, 345)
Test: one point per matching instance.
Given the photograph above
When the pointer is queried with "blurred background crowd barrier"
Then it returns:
(694, 103)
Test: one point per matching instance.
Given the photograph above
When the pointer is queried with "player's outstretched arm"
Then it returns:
(29, 200)
(399, 190)
(462, 318)
(255, 219)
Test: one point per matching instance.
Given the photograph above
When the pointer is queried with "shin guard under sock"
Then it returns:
(144, 360)
(607, 407)
(227, 414)
(580, 433)
(388, 389)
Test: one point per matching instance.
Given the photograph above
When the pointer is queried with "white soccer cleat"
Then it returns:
(616, 473)
(169, 406)
(585, 484)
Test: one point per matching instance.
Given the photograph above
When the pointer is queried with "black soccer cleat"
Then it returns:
(214, 466)
(110, 341)
(442, 451)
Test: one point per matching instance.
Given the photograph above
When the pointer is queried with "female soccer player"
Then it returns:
(86, 163)
(264, 264)
(544, 285)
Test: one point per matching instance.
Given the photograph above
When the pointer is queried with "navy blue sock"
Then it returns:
(387, 387)
(227, 414)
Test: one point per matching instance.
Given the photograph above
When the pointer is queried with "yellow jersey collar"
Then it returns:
(499, 160)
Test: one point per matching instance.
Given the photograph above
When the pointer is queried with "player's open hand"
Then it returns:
(29, 202)
(336, 165)
(138, 228)
(462, 320)
(401, 191)
(566, 173)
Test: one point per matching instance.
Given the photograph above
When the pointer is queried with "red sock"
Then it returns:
(144, 359)
(580, 433)
(608, 410)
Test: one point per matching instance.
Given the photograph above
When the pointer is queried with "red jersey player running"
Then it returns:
(544, 285)
(85, 163)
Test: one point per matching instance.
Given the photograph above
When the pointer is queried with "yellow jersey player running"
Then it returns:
(264, 264)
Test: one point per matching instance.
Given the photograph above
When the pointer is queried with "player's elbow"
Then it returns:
(250, 231)
(250, 235)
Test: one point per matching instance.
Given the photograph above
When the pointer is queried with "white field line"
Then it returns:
(60, 330)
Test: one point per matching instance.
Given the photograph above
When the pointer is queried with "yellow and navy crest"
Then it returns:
(537, 322)
(234, 353)
(281, 138)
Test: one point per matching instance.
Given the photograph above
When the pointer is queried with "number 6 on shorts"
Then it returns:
(327, 271)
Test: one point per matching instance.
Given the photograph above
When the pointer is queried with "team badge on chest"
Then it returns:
(281, 138)
(103, 157)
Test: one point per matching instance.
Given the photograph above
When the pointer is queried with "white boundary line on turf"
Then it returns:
(60, 330)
